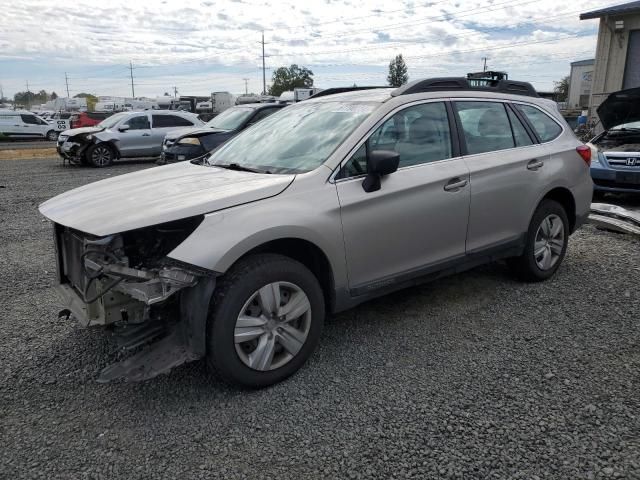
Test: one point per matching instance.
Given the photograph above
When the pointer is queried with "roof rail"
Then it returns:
(459, 83)
(331, 91)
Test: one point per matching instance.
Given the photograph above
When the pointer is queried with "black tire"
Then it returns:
(525, 266)
(52, 135)
(100, 155)
(233, 290)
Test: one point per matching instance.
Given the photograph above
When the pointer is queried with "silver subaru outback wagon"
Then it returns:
(238, 258)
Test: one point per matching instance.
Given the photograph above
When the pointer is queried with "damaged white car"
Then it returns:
(319, 207)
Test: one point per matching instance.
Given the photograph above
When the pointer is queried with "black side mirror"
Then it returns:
(379, 163)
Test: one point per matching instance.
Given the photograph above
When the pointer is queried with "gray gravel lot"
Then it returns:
(475, 376)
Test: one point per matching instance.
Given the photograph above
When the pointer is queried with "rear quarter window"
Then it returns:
(546, 128)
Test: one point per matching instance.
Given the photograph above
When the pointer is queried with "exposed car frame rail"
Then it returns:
(613, 217)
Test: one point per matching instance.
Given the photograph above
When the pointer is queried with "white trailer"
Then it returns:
(220, 101)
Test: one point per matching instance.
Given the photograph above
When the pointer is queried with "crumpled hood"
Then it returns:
(182, 132)
(158, 195)
(620, 107)
(80, 131)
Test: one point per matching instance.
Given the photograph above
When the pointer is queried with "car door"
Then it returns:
(417, 221)
(134, 140)
(161, 125)
(506, 172)
(32, 127)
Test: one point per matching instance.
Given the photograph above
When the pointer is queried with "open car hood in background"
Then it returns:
(620, 107)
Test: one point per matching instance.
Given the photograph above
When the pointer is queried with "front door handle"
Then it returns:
(535, 164)
(455, 184)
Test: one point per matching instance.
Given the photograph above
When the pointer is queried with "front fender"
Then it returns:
(225, 236)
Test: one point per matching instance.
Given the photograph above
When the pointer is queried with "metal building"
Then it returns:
(617, 63)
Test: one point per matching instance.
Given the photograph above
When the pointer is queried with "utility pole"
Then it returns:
(246, 85)
(175, 92)
(264, 76)
(484, 67)
(1, 93)
(66, 80)
(28, 96)
(133, 92)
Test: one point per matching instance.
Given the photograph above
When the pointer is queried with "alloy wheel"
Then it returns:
(101, 156)
(549, 242)
(273, 326)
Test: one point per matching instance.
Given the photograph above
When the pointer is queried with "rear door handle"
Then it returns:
(535, 164)
(146, 134)
(454, 185)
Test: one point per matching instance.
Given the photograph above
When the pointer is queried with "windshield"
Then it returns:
(297, 139)
(112, 120)
(230, 119)
(628, 126)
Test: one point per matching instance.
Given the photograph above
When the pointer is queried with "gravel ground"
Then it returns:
(475, 376)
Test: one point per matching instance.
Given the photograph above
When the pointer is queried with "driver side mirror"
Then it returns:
(123, 128)
(379, 163)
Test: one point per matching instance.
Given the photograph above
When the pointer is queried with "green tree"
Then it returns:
(397, 72)
(54, 95)
(288, 78)
(91, 100)
(561, 89)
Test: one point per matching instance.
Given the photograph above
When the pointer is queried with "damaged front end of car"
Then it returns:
(73, 146)
(126, 282)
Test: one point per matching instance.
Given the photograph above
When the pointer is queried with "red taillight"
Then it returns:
(585, 153)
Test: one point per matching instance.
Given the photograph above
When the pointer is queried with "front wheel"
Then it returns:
(265, 321)
(100, 155)
(546, 244)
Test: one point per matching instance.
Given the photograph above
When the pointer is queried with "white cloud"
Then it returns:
(87, 36)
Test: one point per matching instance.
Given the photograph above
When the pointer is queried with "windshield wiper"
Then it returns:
(238, 167)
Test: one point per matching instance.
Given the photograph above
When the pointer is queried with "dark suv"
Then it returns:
(187, 144)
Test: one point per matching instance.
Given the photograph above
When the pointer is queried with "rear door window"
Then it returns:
(546, 128)
(485, 126)
(520, 133)
(163, 121)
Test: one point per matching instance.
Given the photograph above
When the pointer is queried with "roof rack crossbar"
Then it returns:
(463, 84)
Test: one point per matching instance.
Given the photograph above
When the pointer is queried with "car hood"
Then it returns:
(620, 107)
(158, 195)
(183, 132)
(81, 131)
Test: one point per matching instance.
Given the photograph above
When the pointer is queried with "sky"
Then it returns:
(202, 46)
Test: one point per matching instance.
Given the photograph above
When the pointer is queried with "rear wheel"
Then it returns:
(546, 244)
(265, 322)
(100, 155)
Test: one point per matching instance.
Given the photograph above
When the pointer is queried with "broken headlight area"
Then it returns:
(134, 264)
(127, 282)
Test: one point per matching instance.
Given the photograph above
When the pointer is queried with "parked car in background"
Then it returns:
(615, 167)
(188, 143)
(88, 119)
(24, 124)
(316, 209)
(122, 135)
